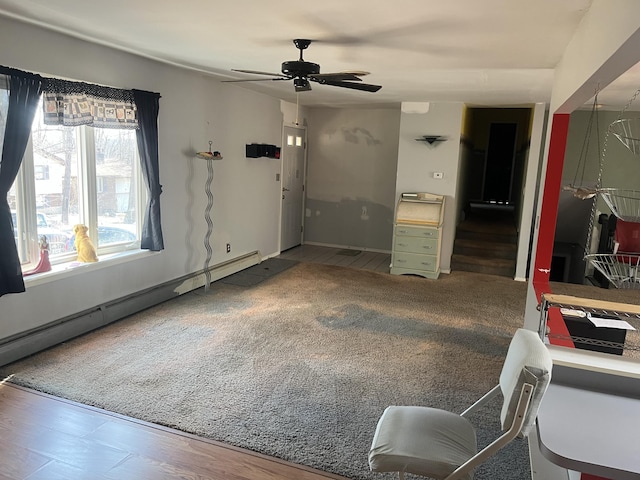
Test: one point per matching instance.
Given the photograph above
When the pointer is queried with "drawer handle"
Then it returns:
(401, 261)
(428, 234)
(426, 263)
(403, 231)
(427, 247)
(403, 244)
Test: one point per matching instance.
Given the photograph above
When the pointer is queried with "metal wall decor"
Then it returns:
(209, 156)
(621, 268)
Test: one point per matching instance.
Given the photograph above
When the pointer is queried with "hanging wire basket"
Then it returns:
(627, 130)
(624, 204)
(622, 270)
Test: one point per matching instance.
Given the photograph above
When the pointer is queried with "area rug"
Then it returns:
(300, 365)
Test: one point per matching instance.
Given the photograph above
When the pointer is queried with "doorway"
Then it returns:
(499, 164)
(293, 162)
(493, 166)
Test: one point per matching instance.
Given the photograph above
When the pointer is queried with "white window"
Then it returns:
(294, 140)
(92, 177)
(42, 172)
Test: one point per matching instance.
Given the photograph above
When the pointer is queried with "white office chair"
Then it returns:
(442, 445)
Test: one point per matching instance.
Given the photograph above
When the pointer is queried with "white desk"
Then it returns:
(589, 421)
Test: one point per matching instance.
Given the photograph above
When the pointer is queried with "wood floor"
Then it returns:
(47, 438)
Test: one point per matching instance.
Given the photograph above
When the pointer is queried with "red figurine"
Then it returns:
(44, 265)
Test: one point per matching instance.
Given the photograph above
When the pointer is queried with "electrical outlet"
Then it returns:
(228, 248)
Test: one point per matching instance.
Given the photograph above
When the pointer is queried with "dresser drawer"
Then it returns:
(415, 261)
(421, 245)
(424, 232)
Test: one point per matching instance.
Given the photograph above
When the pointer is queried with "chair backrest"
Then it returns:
(528, 361)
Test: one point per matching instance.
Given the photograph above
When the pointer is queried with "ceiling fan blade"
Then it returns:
(357, 73)
(256, 80)
(257, 72)
(394, 36)
(336, 77)
(366, 87)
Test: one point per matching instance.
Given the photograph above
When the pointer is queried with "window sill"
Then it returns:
(69, 269)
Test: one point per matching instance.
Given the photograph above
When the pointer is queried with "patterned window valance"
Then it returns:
(78, 103)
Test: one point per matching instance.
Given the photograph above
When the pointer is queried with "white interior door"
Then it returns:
(293, 156)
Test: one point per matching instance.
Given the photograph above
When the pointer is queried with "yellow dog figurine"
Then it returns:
(84, 247)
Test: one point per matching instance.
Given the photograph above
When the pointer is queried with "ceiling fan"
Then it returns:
(303, 72)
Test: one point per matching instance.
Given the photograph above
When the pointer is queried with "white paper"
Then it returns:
(610, 323)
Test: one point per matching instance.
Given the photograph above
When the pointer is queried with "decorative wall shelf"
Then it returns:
(209, 155)
(431, 139)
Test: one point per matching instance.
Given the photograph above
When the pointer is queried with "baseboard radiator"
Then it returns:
(61, 330)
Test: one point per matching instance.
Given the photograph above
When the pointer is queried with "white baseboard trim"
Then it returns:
(219, 271)
(348, 247)
(61, 330)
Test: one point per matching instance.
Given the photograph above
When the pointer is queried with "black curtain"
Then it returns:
(24, 93)
(148, 104)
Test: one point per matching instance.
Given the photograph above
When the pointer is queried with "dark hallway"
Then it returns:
(496, 147)
(486, 241)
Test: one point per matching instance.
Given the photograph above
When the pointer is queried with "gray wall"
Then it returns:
(418, 161)
(351, 176)
(193, 110)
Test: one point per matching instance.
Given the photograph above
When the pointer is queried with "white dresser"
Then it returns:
(417, 235)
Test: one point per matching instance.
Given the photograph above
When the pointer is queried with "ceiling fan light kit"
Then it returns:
(301, 84)
(303, 72)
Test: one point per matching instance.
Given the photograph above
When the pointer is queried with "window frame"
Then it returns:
(27, 211)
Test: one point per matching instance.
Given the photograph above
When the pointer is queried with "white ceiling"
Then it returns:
(481, 52)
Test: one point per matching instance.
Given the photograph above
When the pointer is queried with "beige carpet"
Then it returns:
(301, 364)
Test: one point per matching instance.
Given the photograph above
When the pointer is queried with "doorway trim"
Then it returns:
(284, 159)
